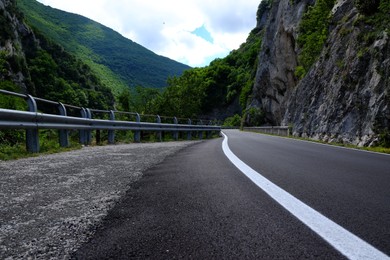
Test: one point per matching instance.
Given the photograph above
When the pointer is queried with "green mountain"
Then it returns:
(32, 64)
(118, 61)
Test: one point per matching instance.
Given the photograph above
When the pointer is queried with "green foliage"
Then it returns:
(119, 62)
(10, 102)
(377, 22)
(234, 121)
(58, 75)
(201, 90)
(5, 29)
(367, 7)
(184, 95)
(254, 116)
(313, 32)
(124, 137)
(137, 99)
(245, 93)
(300, 72)
(264, 6)
(16, 149)
(8, 152)
(3, 62)
(372, 27)
(384, 138)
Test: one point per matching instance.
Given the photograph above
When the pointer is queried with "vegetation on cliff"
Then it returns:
(313, 32)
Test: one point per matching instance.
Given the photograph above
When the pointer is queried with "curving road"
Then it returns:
(198, 204)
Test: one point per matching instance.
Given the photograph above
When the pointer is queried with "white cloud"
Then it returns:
(165, 26)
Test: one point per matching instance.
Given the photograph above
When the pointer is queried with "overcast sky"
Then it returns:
(193, 32)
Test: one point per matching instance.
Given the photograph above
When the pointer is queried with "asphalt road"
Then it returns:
(197, 204)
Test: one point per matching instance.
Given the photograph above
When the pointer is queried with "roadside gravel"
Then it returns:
(49, 205)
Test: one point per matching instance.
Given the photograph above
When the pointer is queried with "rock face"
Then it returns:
(14, 34)
(346, 94)
(278, 58)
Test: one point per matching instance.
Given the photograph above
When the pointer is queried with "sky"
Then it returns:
(193, 32)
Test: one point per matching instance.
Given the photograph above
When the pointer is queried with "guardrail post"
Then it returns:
(159, 134)
(175, 133)
(89, 132)
(137, 133)
(111, 133)
(32, 135)
(189, 134)
(209, 132)
(63, 134)
(83, 133)
(200, 133)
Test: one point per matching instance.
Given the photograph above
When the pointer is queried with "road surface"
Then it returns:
(198, 204)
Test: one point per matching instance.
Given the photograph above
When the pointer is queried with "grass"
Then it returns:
(19, 151)
(49, 143)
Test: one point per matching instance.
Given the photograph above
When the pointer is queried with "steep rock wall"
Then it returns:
(14, 35)
(344, 97)
(278, 58)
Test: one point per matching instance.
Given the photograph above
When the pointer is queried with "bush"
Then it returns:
(254, 116)
(384, 138)
(234, 121)
(367, 7)
(313, 32)
(300, 72)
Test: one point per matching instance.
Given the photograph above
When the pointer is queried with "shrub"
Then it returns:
(234, 121)
(367, 7)
(254, 116)
(300, 72)
(313, 32)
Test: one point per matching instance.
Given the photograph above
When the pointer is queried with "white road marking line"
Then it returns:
(341, 239)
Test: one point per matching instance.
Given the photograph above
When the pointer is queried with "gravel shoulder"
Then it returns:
(50, 205)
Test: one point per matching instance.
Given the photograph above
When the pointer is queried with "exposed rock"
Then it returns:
(19, 32)
(278, 58)
(345, 95)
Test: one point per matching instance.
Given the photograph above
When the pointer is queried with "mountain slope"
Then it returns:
(32, 64)
(120, 61)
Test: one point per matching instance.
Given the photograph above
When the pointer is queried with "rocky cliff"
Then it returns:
(345, 95)
(12, 33)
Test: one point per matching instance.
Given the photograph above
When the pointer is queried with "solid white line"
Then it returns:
(341, 239)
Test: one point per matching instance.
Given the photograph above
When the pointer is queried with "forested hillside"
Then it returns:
(218, 90)
(31, 63)
(119, 62)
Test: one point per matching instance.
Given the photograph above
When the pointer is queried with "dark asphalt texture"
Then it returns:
(197, 205)
(348, 186)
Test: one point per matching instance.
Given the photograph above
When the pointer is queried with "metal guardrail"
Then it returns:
(33, 120)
